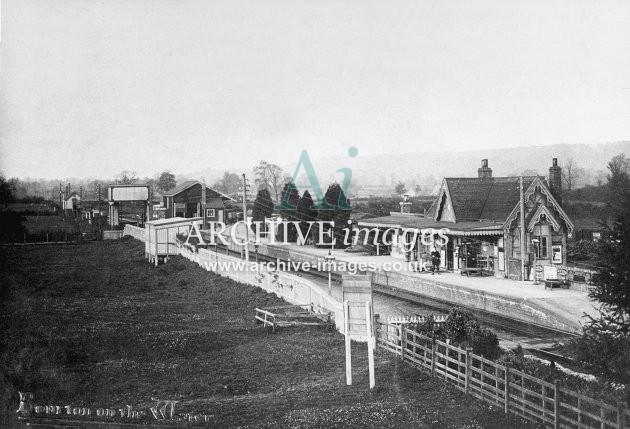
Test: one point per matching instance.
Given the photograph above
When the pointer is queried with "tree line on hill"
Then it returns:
(298, 210)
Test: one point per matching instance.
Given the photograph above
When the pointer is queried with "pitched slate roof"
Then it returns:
(187, 184)
(215, 203)
(179, 188)
(490, 199)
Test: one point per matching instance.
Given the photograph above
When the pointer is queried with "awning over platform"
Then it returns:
(463, 229)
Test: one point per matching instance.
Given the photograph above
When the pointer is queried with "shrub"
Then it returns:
(460, 326)
(463, 330)
(485, 343)
(608, 355)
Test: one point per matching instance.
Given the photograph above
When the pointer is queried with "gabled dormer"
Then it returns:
(444, 208)
(540, 206)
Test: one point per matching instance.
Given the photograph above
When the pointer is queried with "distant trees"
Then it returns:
(7, 190)
(263, 206)
(305, 213)
(400, 188)
(270, 176)
(571, 173)
(126, 177)
(228, 184)
(165, 182)
(334, 195)
(289, 198)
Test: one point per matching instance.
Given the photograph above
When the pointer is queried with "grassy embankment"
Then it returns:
(95, 325)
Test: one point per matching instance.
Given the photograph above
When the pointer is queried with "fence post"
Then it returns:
(507, 387)
(371, 342)
(403, 340)
(467, 382)
(346, 317)
(433, 356)
(556, 404)
(621, 409)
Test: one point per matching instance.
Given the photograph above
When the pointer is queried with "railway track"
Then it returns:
(500, 323)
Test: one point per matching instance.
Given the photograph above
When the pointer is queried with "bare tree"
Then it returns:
(571, 173)
(127, 177)
(400, 188)
(270, 177)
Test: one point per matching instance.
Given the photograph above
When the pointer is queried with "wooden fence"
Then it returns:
(551, 404)
(136, 232)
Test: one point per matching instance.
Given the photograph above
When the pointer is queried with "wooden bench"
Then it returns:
(472, 271)
(556, 283)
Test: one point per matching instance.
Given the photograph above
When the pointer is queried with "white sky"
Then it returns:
(89, 88)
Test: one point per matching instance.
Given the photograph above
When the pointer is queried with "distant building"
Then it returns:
(483, 218)
(185, 200)
(71, 201)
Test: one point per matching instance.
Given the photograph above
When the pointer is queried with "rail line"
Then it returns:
(492, 320)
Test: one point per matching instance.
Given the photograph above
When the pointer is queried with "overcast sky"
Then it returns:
(89, 88)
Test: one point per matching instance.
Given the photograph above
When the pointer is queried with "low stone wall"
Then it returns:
(519, 308)
(292, 288)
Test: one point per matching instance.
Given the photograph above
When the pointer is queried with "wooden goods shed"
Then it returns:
(161, 236)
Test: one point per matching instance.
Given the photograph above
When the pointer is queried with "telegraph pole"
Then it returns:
(245, 218)
(203, 202)
(522, 209)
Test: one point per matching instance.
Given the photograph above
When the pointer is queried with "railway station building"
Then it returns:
(498, 226)
(190, 198)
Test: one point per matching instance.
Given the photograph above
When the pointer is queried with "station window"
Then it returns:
(541, 249)
(210, 213)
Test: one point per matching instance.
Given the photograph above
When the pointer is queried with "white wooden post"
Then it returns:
(468, 370)
(556, 404)
(621, 410)
(156, 247)
(370, 342)
(346, 318)
(507, 388)
(403, 340)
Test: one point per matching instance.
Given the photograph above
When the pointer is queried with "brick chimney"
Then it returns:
(555, 180)
(484, 172)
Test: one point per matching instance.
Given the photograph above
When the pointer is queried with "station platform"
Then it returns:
(561, 309)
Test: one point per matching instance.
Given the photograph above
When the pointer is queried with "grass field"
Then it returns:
(95, 325)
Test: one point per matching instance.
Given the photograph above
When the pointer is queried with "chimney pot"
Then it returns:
(555, 180)
(484, 172)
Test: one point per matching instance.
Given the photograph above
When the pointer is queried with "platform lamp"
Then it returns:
(329, 259)
(536, 242)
